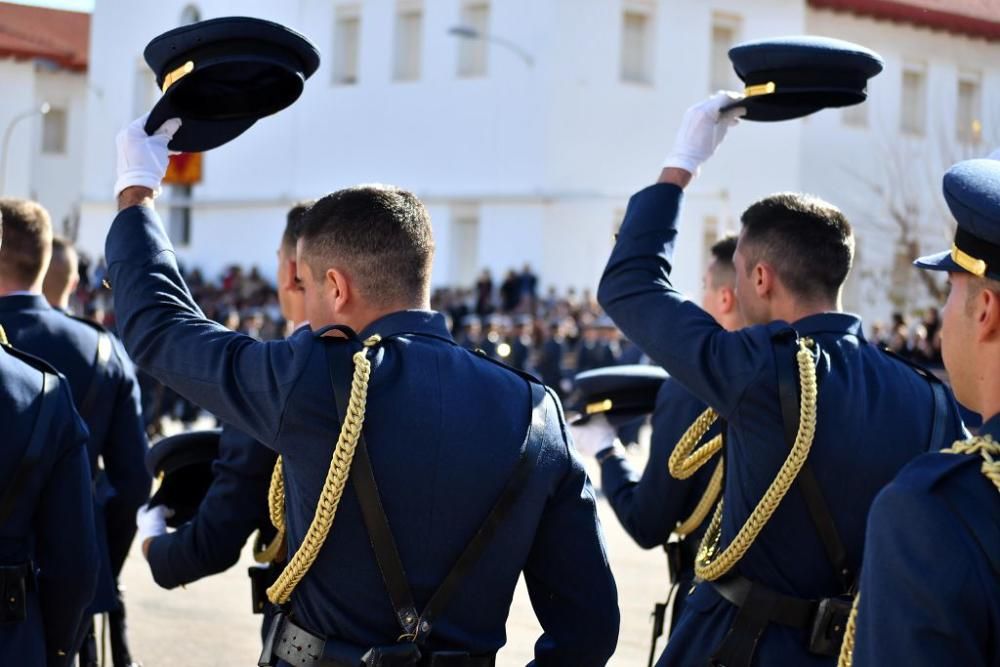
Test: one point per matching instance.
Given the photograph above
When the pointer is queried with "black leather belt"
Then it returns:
(298, 647)
(779, 608)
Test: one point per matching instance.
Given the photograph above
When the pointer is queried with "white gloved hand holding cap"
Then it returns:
(594, 436)
(151, 521)
(143, 158)
(702, 129)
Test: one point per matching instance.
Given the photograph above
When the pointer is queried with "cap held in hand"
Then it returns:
(791, 77)
(222, 75)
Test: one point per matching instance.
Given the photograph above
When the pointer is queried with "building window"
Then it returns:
(913, 112)
(464, 244)
(968, 115)
(346, 44)
(179, 220)
(725, 33)
(636, 51)
(473, 51)
(855, 115)
(409, 27)
(54, 132)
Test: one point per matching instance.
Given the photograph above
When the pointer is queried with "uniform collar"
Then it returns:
(834, 323)
(991, 427)
(23, 301)
(403, 321)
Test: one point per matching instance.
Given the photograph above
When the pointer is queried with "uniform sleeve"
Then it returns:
(233, 508)
(124, 455)
(243, 381)
(923, 601)
(66, 546)
(635, 290)
(567, 574)
(651, 506)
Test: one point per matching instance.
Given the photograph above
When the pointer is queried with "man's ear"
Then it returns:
(763, 279)
(727, 300)
(987, 314)
(338, 289)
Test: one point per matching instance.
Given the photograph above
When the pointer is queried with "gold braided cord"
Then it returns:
(847, 646)
(709, 564)
(333, 486)
(276, 508)
(3, 337)
(987, 448)
(704, 506)
(687, 458)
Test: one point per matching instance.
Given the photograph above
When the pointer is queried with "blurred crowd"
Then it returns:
(552, 334)
(917, 338)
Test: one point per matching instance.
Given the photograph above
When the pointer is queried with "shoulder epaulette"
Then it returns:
(91, 323)
(524, 375)
(30, 359)
(920, 369)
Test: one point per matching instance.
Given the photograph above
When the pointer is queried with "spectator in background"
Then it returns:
(484, 294)
(510, 292)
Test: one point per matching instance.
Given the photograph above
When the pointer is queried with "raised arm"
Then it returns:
(637, 293)
(241, 380)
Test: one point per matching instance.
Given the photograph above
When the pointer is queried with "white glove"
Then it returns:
(143, 159)
(594, 436)
(702, 130)
(151, 521)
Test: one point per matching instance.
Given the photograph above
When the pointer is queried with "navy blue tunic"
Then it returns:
(874, 416)
(930, 586)
(52, 521)
(444, 428)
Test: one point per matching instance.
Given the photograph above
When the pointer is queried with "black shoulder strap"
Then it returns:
(32, 453)
(101, 357)
(939, 420)
(377, 524)
(530, 449)
(819, 511)
(362, 476)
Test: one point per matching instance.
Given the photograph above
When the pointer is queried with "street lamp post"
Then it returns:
(40, 110)
(467, 32)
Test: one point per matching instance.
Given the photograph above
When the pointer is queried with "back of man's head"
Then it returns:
(294, 223)
(62, 276)
(27, 243)
(721, 272)
(380, 236)
(808, 241)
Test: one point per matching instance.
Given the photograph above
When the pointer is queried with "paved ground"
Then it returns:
(209, 624)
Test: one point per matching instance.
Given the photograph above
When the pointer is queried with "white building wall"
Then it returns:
(57, 177)
(17, 77)
(543, 154)
(874, 170)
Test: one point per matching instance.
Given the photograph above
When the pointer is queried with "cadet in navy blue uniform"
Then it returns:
(773, 596)
(48, 547)
(930, 583)
(364, 262)
(101, 376)
(651, 507)
(236, 503)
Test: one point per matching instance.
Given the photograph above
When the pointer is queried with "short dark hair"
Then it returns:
(808, 241)
(380, 234)
(27, 240)
(294, 224)
(62, 267)
(722, 272)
